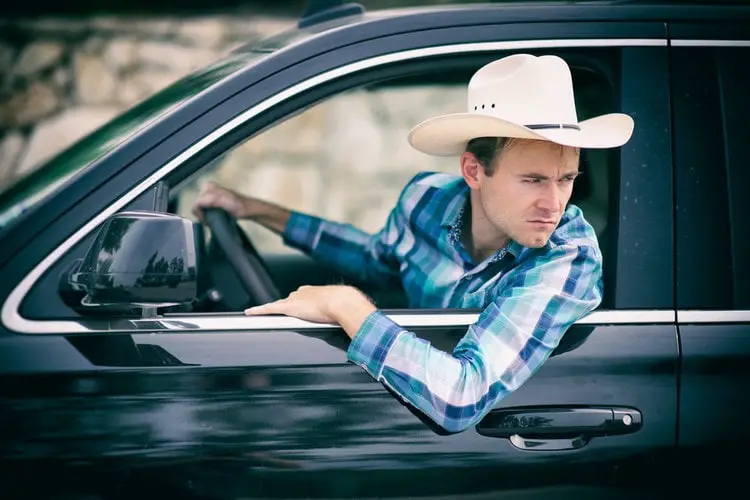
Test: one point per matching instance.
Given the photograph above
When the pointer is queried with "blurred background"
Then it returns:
(68, 67)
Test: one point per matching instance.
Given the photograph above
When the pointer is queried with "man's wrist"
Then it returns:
(370, 346)
(266, 214)
(248, 210)
(350, 309)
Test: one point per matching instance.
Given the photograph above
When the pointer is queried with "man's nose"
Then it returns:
(549, 201)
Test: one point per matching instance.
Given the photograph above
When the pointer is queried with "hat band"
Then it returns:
(553, 125)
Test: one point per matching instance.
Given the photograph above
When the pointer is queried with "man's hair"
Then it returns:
(487, 150)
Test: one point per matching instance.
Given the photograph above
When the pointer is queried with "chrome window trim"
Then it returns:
(240, 322)
(704, 316)
(404, 319)
(11, 316)
(710, 43)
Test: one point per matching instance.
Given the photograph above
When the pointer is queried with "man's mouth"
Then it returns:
(544, 222)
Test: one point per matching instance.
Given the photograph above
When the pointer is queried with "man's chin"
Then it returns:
(533, 240)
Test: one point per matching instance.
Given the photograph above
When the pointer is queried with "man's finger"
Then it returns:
(277, 307)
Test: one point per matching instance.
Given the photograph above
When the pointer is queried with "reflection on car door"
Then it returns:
(281, 414)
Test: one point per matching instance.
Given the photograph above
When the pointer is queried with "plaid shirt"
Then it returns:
(528, 297)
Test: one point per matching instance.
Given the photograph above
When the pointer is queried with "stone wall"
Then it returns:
(61, 78)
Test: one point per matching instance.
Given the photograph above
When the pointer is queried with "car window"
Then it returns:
(711, 159)
(347, 158)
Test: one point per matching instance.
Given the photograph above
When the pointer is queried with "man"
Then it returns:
(500, 237)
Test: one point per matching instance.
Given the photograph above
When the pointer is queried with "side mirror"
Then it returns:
(140, 259)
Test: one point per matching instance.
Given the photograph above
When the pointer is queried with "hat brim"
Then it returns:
(448, 135)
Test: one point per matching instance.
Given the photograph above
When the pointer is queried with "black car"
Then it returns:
(128, 369)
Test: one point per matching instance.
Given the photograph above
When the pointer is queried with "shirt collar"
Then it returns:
(455, 209)
(515, 248)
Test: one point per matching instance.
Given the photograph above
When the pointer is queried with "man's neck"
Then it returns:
(480, 237)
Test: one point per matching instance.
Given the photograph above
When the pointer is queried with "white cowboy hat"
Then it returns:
(522, 96)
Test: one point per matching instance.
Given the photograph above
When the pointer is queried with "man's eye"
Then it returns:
(532, 181)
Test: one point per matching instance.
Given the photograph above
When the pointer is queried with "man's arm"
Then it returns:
(267, 214)
(510, 341)
(351, 251)
(366, 257)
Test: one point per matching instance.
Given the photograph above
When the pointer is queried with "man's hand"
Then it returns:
(214, 196)
(343, 305)
(267, 214)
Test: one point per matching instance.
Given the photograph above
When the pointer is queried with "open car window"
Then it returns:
(347, 159)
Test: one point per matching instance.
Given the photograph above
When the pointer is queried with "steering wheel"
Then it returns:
(242, 256)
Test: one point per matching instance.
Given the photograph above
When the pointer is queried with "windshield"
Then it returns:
(29, 190)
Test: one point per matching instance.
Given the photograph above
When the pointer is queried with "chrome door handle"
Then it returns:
(558, 428)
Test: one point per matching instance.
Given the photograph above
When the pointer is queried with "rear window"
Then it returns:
(711, 161)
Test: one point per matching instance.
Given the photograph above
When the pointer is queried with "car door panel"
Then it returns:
(275, 413)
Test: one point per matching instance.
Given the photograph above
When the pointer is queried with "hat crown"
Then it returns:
(524, 89)
(521, 96)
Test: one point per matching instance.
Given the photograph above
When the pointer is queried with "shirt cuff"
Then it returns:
(301, 231)
(371, 343)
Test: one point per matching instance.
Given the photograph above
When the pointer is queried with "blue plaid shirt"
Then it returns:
(528, 297)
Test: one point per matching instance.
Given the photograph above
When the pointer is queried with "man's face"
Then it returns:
(527, 194)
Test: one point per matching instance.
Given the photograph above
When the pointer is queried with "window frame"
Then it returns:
(645, 233)
(604, 65)
(278, 102)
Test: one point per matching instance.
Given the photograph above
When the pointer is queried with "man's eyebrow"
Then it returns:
(534, 175)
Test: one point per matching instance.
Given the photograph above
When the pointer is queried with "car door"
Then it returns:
(711, 78)
(616, 370)
(222, 405)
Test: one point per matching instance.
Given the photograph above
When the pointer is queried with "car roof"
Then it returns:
(360, 24)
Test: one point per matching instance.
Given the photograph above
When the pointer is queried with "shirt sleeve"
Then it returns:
(513, 336)
(355, 253)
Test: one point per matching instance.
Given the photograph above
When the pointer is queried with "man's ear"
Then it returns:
(471, 169)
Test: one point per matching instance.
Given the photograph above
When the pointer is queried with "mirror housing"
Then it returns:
(140, 259)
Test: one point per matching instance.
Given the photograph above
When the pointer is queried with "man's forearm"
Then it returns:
(267, 214)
